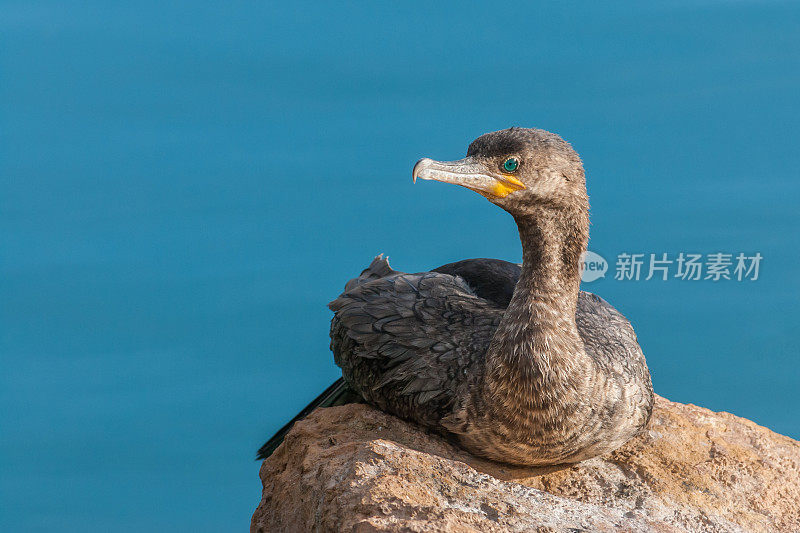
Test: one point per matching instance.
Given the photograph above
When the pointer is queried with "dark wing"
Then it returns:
(406, 341)
(491, 279)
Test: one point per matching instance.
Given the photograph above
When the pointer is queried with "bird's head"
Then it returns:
(517, 169)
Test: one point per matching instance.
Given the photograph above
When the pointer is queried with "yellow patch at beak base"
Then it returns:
(509, 184)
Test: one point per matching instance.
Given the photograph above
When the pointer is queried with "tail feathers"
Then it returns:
(339, 393)
(379, 268)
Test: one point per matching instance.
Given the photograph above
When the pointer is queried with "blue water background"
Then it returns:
(185, 185)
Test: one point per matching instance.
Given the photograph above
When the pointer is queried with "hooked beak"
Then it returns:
(468, 173)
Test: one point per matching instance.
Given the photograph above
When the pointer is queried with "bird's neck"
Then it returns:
(553, 241)
(537, 346)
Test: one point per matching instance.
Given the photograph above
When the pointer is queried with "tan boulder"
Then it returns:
(354, 468)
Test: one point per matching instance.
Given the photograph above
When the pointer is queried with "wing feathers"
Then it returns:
(410, 336)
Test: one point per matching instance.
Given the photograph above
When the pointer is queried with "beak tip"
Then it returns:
(418, 168)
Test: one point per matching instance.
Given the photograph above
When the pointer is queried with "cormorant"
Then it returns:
(514, 363)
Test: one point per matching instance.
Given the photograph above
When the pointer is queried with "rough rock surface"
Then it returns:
(353, 468)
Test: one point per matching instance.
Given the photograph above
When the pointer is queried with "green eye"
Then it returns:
(510, 164)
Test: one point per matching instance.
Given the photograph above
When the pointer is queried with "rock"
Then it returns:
(354, 468)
